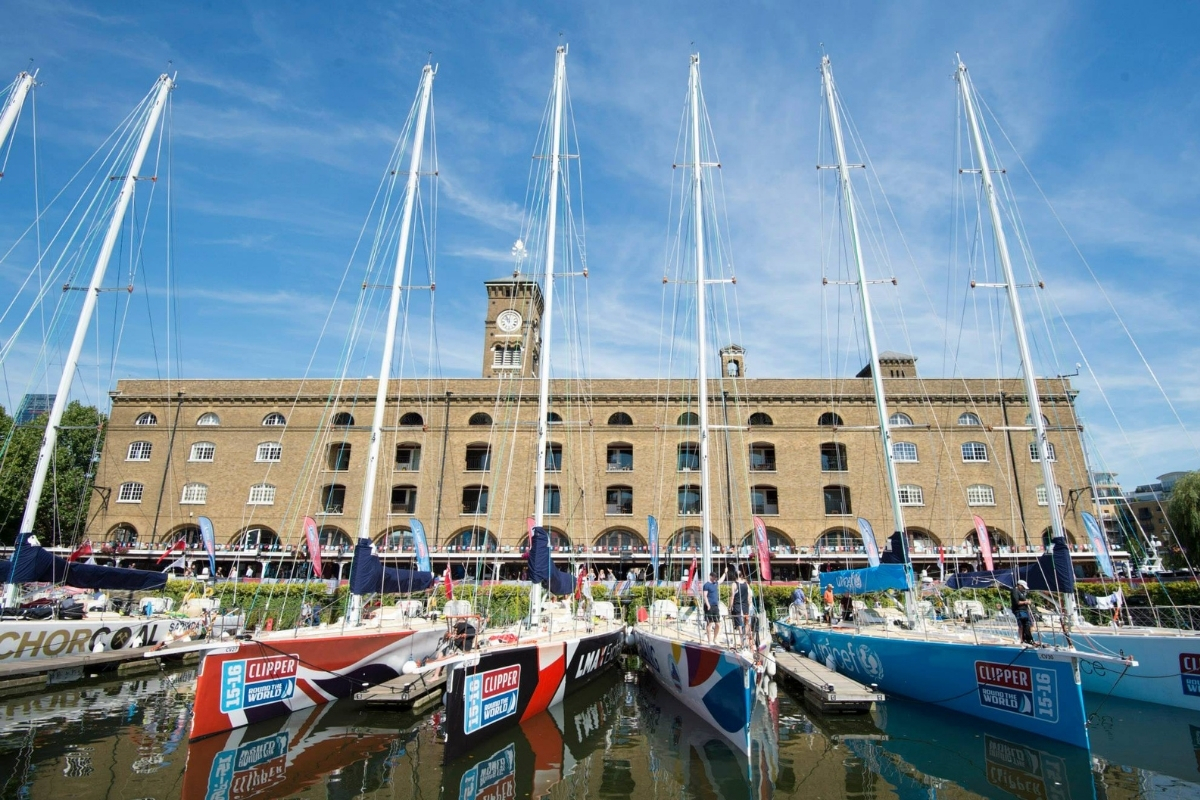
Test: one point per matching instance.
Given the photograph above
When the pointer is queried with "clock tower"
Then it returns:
(512, 329)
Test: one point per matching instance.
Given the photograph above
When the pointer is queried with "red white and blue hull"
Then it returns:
(1034, 690)
(272, 675)
(717, 684)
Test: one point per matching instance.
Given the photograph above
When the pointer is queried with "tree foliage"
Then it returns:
(63, 511)
(1183, 511)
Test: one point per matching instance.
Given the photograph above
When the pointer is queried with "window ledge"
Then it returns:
(129, 501)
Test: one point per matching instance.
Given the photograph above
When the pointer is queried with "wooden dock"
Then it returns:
(825, 690)
(22, 677)
(413, 692)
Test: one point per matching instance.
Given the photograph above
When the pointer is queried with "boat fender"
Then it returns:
(772, 691)
(630, 640)
(409, 668)
(771, 667)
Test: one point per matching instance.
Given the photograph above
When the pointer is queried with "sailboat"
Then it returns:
(719, 684)
(1168, 660)
(1037, 690)
(507, 682)
(26, 636)
(276, 673)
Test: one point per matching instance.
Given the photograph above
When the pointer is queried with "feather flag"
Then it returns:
(764, 549)
(313, 539)
(985, 544)
(421, 545)
(869, 542)
(652, 532)
(690, 585)
(179, 546)
(209, 536)
(1099, 544)
(85, 549)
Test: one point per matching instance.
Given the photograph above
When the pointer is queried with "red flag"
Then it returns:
(690, 586)
(179, 545)
(313, 539)
(764, 549)
(985, 544)
(579, 583)
(85, 549)
(449, 583)
(941, 555)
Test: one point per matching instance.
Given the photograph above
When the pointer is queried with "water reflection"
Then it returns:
(616, 739)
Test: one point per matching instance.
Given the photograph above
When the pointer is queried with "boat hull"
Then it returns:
(1167, 671)
(267, 677)
(506, 685)
(1006, 684)
(715, 683)
(30, 641)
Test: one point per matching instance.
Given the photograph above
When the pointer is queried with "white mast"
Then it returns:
(12, 106)
(1014, 301)
(385, 367)
(164, 85)
(843, 168)
(539, 497)
(701, 319)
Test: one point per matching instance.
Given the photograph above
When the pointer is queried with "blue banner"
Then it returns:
(869, 542)
(1099, 544)
(209, 536)
(869, 579)
(421, 545)
(652, 527)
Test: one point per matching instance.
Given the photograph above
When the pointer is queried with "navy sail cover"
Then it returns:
(1052, 572)
(542, 569)
(368, 575)
(38, 565)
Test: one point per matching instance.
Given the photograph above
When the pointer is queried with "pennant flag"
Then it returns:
(652, 529)
(1099, 544)
(985, 544)
(209, 536)
(313, 539)
(449, 583)
(764, 549)
(869, 542)
(179, 546)
(420, 545)
(179, 563)
(85, 549)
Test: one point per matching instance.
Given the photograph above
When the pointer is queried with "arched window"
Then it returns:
(396, 539)
(981, 495)
(412, 419)
(552, 500)
(209, 419)
(343, 419)
(479, 457)
(689, 500)
(338, 457)
(146, 418)
(837, 500)
(775, 540)
(553, 418)
(900, 420)
(1043, 500)
(687, 458)
(274, 418)
(905, 452)
(194, 494)
(911, 495)
(474, 539)
(689, 419)
(475, 500)
(1029, 420)
(996, 537)
(558, 540)
(922, 541)
(330, 536)
(139, 451)
(620, 539)
(974, 452)
(480, 418)
(619, 457)
(620, 418)
(618, 500)
(969, 419)
(185, 533)
(123, 534)
(260, 538)
(408, 457)
(762, 457)
(261, 494)
(829, 419)
(759, 418)
(333, 498)
(404, 499)
(764, 500)
(833, 457)
(690, 540)
(203, 451)
(839, 539)
(553, 457)
(269, 452)
(1048, 536)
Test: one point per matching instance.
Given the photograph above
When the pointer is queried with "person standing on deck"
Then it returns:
(739, 611)
(1021, 610)
(828, 598)
(712, 608)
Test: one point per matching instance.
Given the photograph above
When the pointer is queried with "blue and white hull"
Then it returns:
(717, 684)
(1034, 690)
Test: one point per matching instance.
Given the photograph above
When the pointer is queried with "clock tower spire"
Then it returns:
(512, 330)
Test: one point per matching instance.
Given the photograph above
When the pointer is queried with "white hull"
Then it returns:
(26, 641)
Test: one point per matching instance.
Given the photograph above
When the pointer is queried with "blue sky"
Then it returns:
(285, 115)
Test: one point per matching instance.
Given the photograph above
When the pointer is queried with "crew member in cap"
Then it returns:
(1021, 608)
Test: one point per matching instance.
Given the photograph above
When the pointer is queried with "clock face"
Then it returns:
(508, 321)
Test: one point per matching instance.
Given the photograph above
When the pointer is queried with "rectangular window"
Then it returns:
(1033, 452)
(408, 458)
(475, 500)
(333, 499)
(404, 499)
(762, 457)
(203, 451)
(688, 459)
(618, 500)
(620, 458)
(554, 458)
(1042, 499)
(974, 452)
(194, 494)
(479, 458)
(904, 452)
(269, 452)
(689, 500)
(262, 495)
(764, 500)
(981, 496)
(139, 451)
(339, 457)
(837, 501)
(833, 457)
(553, 500)
(130, 493)
(911, 496)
